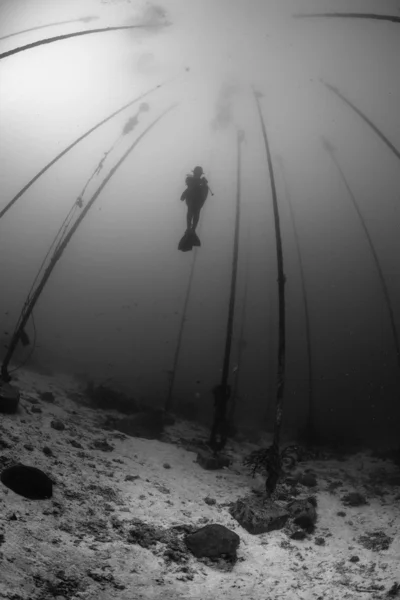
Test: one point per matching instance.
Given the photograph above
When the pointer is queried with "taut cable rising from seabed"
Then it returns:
(171, 383)
(241, 341)
(219, 433)
(310, 428)
(275, 464)
(56, 24)
(66, 36)
(364, 117)
(396, 152)
(373, 16)
(77, 141)
(331, 151)
(28, 307)
(78, 204)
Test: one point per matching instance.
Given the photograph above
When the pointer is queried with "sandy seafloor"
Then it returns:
(75, 544)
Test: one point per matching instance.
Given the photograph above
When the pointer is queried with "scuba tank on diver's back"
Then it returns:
(196, 179)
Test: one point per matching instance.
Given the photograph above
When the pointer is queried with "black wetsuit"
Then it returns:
(195, 195)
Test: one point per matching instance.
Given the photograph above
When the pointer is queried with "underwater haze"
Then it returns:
(112, 309)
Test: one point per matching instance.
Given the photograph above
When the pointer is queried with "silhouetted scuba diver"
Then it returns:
(195, 195)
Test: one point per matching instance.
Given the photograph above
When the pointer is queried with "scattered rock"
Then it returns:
(320, 541)
(104, 578)
(257, 516)
(28, 447)
(166, 466)
(184, 528)
(213, 541)
(354, 559)
(144, 535)
(102, 445)
(132, 477)
(162, 488)
(57, 586)
(36, 409)
(210, 501)
(333, 485)
(57, 424)
(299, 534)
(174, 554)
(47, 451)
(375, 541)
(211, 461)
(308, 479)
(31, 399)
(303, 513)
(148, 536)
(341, 513)
(354, 499)
(27, 481)
(47, 396)
(75, 444)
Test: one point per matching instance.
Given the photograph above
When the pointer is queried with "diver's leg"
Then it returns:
(189, 217)
(196, 217)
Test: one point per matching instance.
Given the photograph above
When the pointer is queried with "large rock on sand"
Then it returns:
(213, 541)
(27, 481)
(257, 515)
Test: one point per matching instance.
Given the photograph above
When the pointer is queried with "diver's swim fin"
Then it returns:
(189, 240)
(185, 243)
(195, 239)
(184, 246)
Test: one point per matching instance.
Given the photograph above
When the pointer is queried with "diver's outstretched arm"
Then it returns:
(183, 197)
